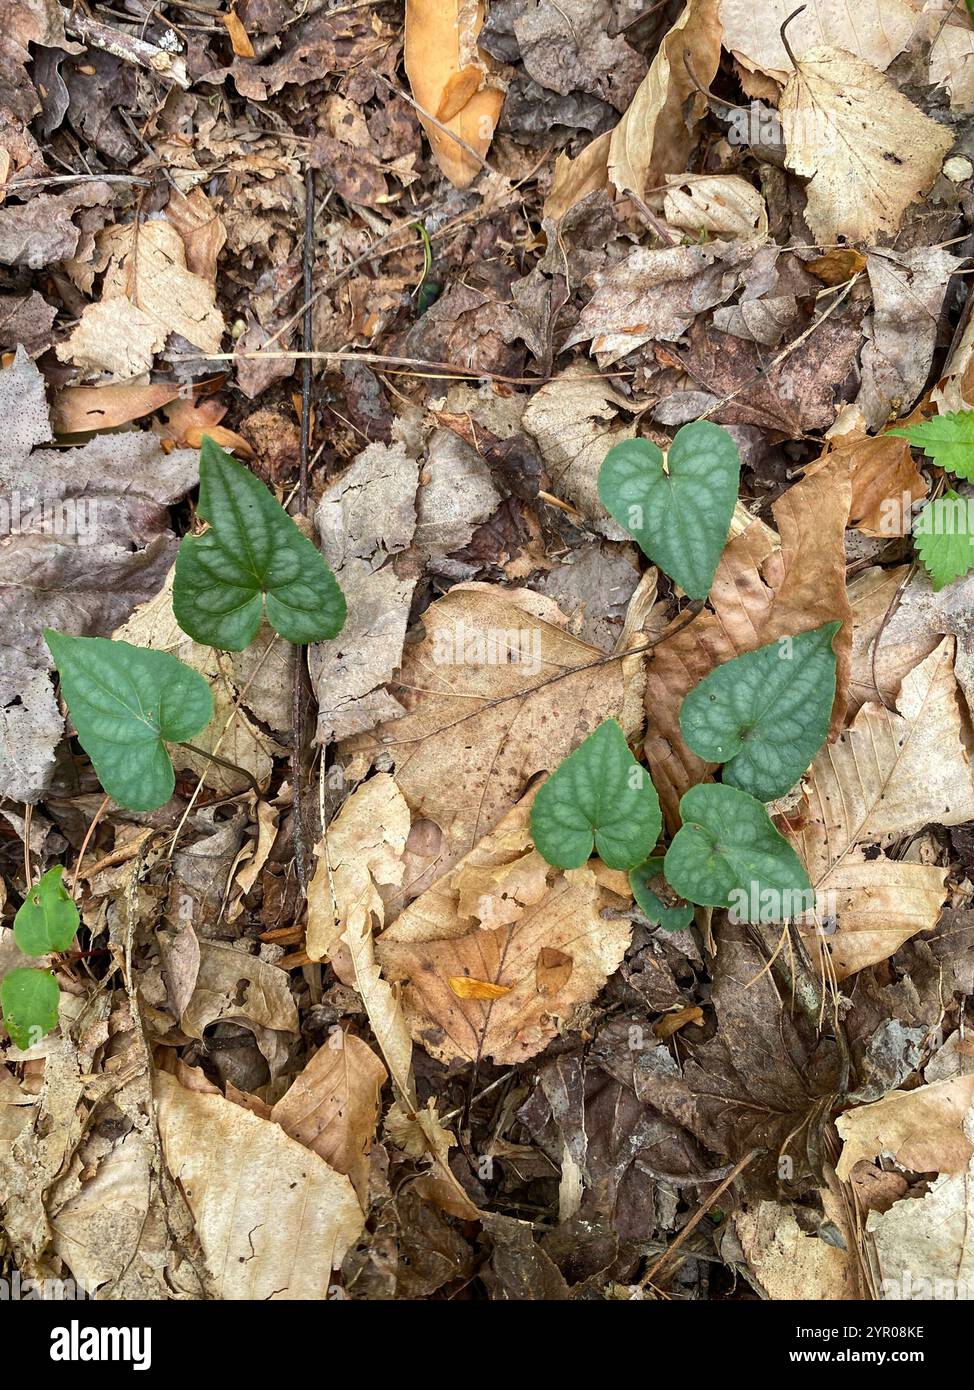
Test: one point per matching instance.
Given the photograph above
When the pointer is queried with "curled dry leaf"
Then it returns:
(447, 74)
(655, 135)
(720, 204)
(884, 477)
(273, 1218)
(866, 149)
(543, 939)
(481, 721)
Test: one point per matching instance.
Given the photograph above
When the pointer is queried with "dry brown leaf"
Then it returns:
(446, 75)
(147, 294)
(201, 228)
(482, 722)
(765, 588)
(790, 1263)
(273, 1218)
(442, 936)
(332, 1107)
(576, 178)
(923, 1130)
(78, 409)
(885, 480)
(574, 420)
(466, 988)
(655, 137)
(867, 151)
(875, 32)
(239, 39)
(923, 1244)
(889, 773)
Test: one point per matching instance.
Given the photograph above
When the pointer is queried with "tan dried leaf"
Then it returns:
(273, 1218)
(654, 136)
(867, 151)
(447, 75)
(147, 294)
(923, 1130)
(333, 1106)
(721, 204)
(441, 937)
(484, 714)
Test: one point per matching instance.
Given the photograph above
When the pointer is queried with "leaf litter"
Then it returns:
(333, 1025)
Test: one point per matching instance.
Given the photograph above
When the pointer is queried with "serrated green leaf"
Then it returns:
(947, 439)
(599, 795)
(765, 714)
(47, 919)
(29, 999)
(943, 535)
(669, 917)
(127, 703)
(679, 515)
(728, 854)
(252, 554)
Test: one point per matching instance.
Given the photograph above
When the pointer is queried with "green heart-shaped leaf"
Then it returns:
(29, 999)
(127, 704)
(252, 553)
(658, 913)
(728, 854)
(765, 714)
(679, 514)
(47, 918)
(599, 795)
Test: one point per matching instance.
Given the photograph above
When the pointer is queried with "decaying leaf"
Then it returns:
(483, 716)
(923, 1130)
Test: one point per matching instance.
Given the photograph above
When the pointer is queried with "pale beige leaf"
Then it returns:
(654, 136)
(790, 1263)
(489, 706)
(875, 32)
(273, 1218)
(867, 150)
(721, 204)
(923, 1130)
(333, 1106)
(361, 850)
(442, 937)
(872, 907)
(923, 1244)
(147, 293)
(575, 421)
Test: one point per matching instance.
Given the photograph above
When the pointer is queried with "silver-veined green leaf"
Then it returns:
(252, 555)
(679, 513)
(600, 797)
(29, 999)
(765, 714)
(47, 919)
